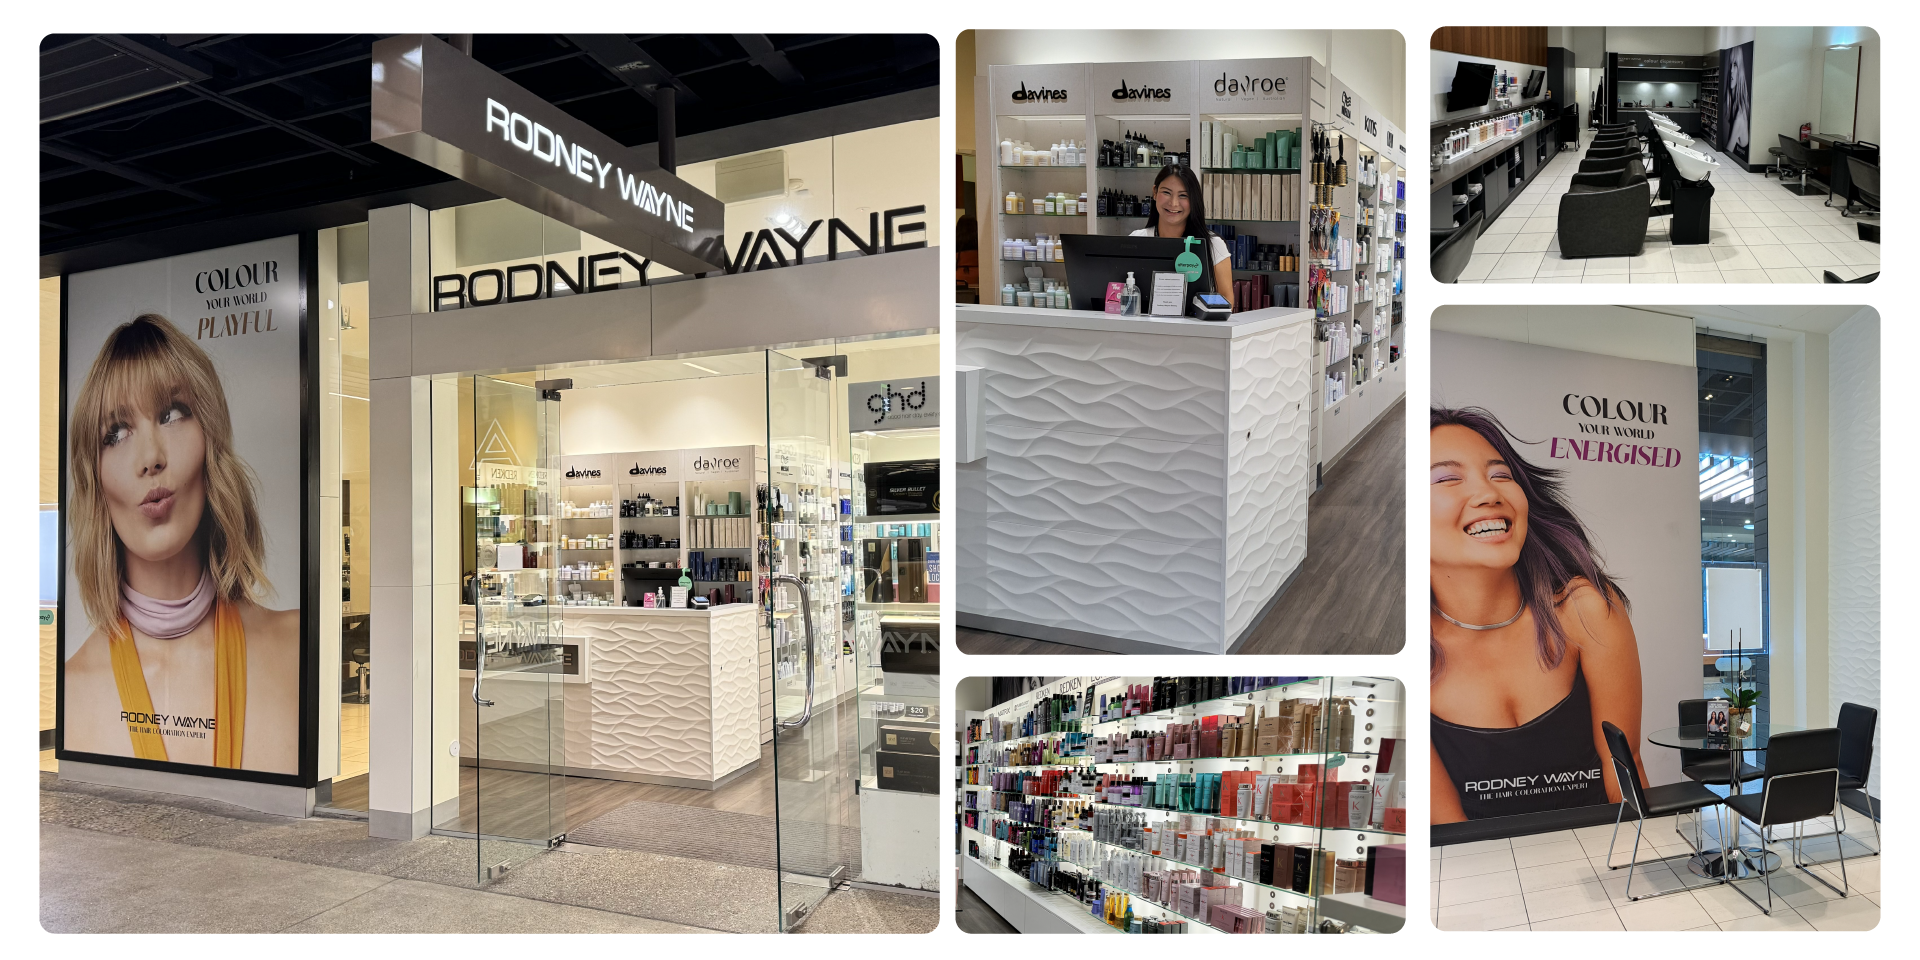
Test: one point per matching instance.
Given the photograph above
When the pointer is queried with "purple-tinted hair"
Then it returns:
(1556, 549)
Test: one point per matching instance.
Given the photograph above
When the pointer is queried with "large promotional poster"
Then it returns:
(183, 490)
(1565, 571)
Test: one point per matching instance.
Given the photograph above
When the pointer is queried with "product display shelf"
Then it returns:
(893, 583)
(1360, 910)
(1376, 714)
(577, 531)
(1172, 132)
(1020, 189)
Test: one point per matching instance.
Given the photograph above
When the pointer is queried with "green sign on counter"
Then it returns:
(46, 617)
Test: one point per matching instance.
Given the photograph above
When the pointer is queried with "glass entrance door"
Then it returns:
(813, 772)
(515, 663)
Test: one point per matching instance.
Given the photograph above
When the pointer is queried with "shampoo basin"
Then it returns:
(1673, 137)
(1691, 165)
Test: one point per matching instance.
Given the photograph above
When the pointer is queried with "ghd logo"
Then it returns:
(715, 464)
(639, 471)
(577, 472)
(1023, 95)
(890, 402)
(1124, 92)
(1246, 86)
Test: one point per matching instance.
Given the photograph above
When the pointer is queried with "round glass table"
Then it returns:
(1739, 861)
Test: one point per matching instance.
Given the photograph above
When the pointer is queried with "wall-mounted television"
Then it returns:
(1535, 80)
(1472, 85)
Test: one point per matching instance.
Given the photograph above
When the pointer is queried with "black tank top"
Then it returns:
(1547, 763)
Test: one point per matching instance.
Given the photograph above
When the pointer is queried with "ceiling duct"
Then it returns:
(755, 176)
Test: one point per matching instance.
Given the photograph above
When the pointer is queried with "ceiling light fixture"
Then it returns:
(701, 368)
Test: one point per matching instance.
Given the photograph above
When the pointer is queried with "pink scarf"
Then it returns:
(167, 619)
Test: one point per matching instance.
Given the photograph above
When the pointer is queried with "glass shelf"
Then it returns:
(1043, 166)
(1249, 170)
(1241, 698)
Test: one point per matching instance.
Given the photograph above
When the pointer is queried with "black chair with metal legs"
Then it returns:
(1857, 725)
(1709, 768)
(1802, 782)
(1800, 162)
(1648, 802)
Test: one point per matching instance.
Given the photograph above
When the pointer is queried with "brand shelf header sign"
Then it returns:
(450, 112)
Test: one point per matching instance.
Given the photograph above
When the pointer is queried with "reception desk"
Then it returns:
(652, 695)
(1141, 484)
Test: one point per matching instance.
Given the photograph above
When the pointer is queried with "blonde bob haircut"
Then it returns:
(146, 365)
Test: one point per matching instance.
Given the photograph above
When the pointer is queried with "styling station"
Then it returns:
(1138, 484)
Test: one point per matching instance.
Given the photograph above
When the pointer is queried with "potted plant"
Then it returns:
(1740, 704)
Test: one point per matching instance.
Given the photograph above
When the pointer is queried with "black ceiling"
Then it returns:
(143, 132)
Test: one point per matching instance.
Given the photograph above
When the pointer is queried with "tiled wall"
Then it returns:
(1853, 512)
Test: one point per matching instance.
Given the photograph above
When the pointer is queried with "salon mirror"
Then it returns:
(1839, 88)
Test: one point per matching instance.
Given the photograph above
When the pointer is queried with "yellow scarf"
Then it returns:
(229, 688)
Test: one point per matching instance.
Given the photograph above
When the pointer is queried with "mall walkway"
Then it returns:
(127, 861)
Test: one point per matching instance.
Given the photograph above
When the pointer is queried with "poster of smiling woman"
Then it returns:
(1564, 568)
(183, 487)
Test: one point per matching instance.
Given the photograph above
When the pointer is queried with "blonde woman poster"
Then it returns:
(183, 484)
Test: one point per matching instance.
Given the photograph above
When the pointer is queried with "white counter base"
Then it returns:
(1145, 482)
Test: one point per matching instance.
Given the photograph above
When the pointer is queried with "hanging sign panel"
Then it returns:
(450, 112)
(187, 639)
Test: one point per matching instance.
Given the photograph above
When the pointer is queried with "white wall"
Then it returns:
(1372, 62)
(1590, 47)
(1720, 38)
(1677, 41)
(1608, 331)
(1853, 512)
(1784, 67)
(670, 415)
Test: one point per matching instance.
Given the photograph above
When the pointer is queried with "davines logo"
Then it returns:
(577, 472)
(1124, 92)
(640, 471)
(1246, 86)
(1023, 95)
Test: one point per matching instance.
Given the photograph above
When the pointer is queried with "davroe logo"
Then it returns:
(715, 464)
(1124, 92)
(1248, 85)
(1023, 95)
(577, 472)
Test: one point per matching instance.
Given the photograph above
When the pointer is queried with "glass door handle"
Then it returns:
(479, 652)
(806, 618)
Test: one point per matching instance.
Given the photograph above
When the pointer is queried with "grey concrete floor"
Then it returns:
(127, 861)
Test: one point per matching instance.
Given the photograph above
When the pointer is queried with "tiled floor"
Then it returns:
(1564, 881)
(1761, 233)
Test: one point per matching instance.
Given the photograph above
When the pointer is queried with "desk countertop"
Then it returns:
(1239, 325)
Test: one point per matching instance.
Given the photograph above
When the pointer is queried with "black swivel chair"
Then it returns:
(1647, 802)
(1828, 276)
(1802, 782)
(1451, 249)
(1866, 185)
(1798, 161)
(1709, 768)
(1605, 214)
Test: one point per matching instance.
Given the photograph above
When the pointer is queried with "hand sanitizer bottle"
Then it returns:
(1130, 298)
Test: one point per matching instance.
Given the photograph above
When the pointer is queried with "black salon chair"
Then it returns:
(1828, 276)
(1709, 768)
(1453, 248)
(1866, 186)
(1778, 166)
(1605, 214)
(1857, 724)
(1798, 162)
(1647, 802)
(1802, 782)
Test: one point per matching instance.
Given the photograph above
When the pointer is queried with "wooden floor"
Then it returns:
(972, 915)
(1350, 595)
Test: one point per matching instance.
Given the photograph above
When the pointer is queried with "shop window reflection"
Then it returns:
(1735, 604)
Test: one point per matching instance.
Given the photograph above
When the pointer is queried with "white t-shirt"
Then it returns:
(1217, 245)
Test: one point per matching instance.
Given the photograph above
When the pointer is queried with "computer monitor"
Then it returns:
(1093, 262)
(1472, 85)
(1535, 80)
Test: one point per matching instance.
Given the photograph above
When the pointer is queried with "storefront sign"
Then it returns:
(1269, 85)
(767, 249)
(718, 463)
(537, 280)
(450, 112)
(188, 403)
(894, 404)
(1658, 62)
